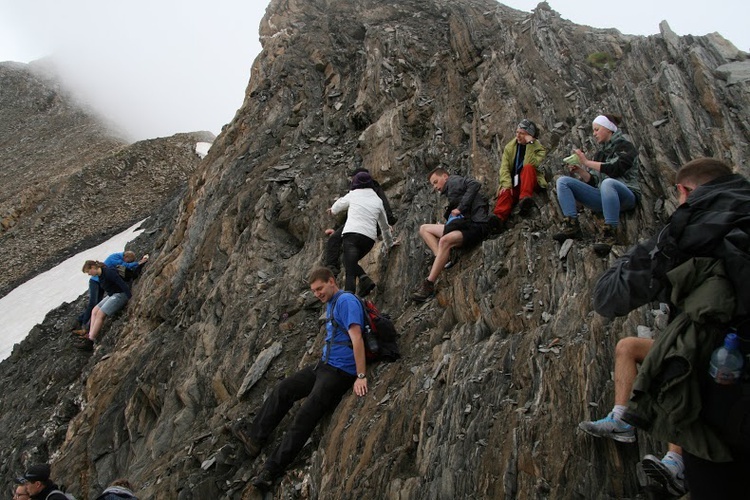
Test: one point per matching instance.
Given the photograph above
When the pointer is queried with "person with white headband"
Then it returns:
(607, 183)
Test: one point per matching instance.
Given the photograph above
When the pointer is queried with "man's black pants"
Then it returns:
(323, 386)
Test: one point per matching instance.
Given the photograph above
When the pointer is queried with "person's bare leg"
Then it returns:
(431, 234)
(97, 320)
(629, 352)
(443, 254)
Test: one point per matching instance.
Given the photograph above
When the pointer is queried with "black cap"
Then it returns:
(39, 472)
(530, 127)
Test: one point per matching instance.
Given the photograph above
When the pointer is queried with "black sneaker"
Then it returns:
(569, 230)
(366, 285)
(84, 344)
(496, 226)
(264, 481)
(525, 206)
(608, 238)
(240, 432)
(424, 291)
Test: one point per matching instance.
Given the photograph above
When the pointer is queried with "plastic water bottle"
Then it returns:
(726, 361)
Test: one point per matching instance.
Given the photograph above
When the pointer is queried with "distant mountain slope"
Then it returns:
(67, 180)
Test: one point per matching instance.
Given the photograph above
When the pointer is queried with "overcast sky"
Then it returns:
(158, 67)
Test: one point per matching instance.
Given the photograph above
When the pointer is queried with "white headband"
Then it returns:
(605, 122)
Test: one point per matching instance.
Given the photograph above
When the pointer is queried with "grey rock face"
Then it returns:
(500, 367)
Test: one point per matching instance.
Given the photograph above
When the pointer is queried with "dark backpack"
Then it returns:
(378, 332)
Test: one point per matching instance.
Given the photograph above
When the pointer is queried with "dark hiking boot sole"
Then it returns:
(84, 344)
(264, 481)
(525, 206)
(251, 447)
(656, 478)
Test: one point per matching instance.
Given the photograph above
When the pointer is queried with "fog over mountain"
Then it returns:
(158, 68)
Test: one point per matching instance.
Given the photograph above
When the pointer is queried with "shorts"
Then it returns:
(473, 233)
(113, 303)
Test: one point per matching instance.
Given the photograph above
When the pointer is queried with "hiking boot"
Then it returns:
(366, 285)
(608, 238)
(569, 230)
(663, 474)
(424, 291)
(240, 432)
(525, 205)
(264, 481)
(496, 225)
(84, 344)
(610, 427)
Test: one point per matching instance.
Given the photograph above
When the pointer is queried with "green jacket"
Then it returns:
(619, 161)
(534, 155)
(666, 398)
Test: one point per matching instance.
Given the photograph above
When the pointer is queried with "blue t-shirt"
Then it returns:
(347, 312)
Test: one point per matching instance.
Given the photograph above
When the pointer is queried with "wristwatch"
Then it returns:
(361, 375)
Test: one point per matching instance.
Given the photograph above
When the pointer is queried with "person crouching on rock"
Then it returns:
(118, 294)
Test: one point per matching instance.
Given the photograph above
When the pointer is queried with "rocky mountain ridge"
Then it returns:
(69, 182)
(497, 370)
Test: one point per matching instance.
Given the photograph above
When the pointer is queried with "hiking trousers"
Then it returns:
(527, 184)
(96, 294)
(323, 387)
(355, 246)
(610, 198)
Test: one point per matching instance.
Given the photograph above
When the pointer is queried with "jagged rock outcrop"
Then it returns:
(68, 182)
(500, 367)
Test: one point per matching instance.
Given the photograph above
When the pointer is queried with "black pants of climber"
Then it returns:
(355, 246)
(323, 387)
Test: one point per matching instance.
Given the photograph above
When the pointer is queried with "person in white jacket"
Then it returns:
(365, 214)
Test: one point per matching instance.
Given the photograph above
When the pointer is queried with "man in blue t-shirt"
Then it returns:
(323, 384)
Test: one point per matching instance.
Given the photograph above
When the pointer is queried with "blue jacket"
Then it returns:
(117, 259)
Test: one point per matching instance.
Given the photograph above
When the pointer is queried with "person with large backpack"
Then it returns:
(711, 224)
(340, 368)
